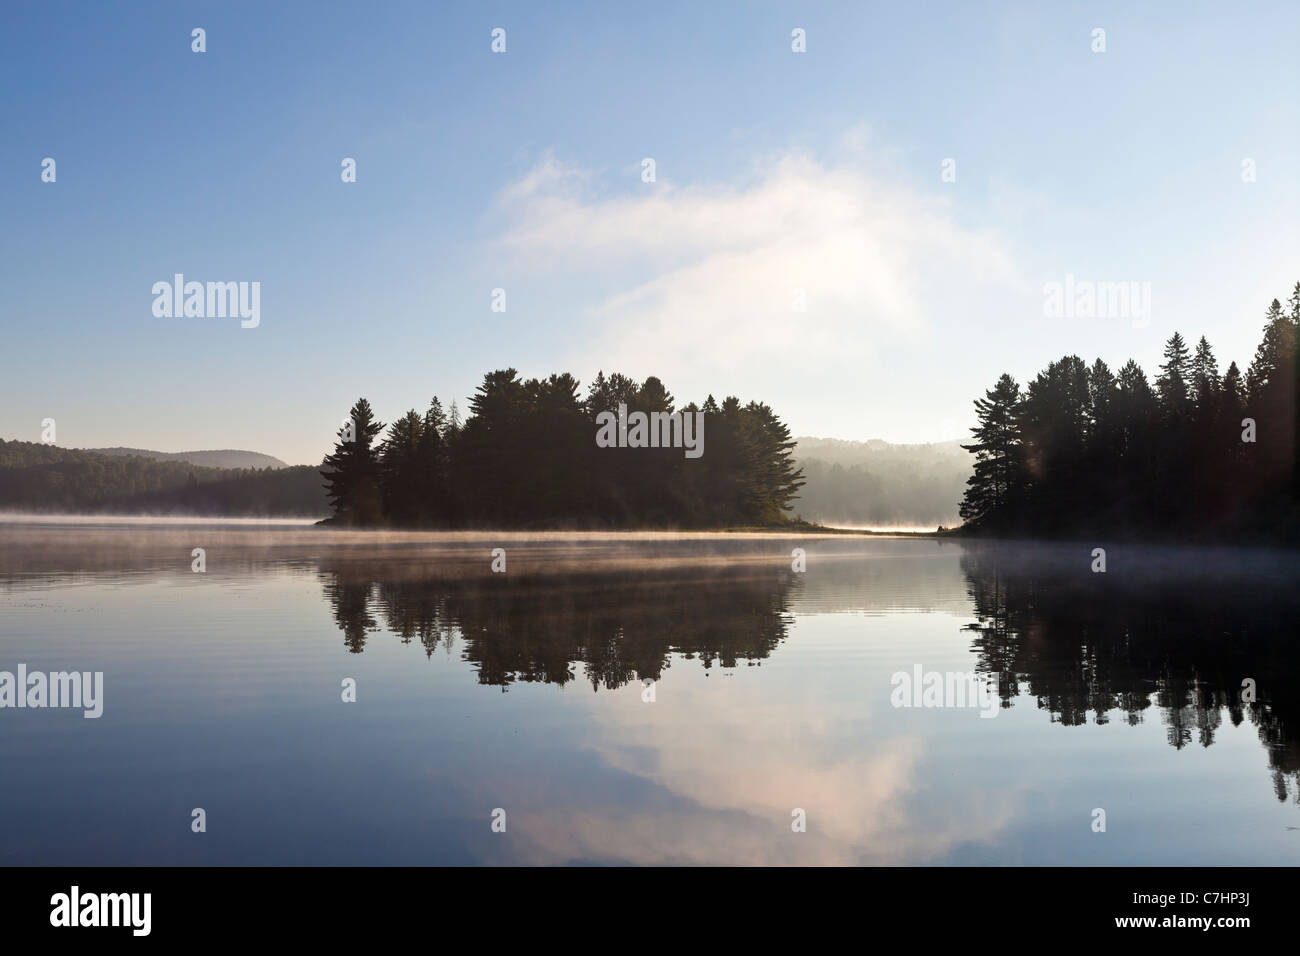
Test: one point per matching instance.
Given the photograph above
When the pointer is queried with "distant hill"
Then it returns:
(47, 479)
(225, 458)
(878, 484)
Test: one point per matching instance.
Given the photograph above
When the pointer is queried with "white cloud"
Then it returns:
(683, 269)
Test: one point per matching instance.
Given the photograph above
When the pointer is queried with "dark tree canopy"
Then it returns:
(1199, 455)
(352, 472)
(527, 456)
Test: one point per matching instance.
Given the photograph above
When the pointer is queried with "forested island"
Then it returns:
(1196, 455)
(528, 456)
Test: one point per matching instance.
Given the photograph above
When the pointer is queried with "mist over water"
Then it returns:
(526, 690)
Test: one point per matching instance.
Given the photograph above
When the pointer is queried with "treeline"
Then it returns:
(1194, 454)
(527, 456)
(44, 478)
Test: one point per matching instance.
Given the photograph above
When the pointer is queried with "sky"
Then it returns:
(803, 241)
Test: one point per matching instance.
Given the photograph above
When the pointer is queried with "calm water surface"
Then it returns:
(524, 691)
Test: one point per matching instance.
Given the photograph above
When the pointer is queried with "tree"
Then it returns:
(1136, 409)
(653, 397)
(1231, 396)
(493, 449)
(1271, 400)
(774, 475)
(998, 473)
(351, 471)
(402, 474)
(438, 505)
(1274, 354)
(435, 418)
(1205, 379)
(1172, 382)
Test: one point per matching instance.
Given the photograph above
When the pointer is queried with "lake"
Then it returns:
(644, 699)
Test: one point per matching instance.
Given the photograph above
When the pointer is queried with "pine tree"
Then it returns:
(1205, 376)
(1172, 383)
(1103, 394)
(998, 473)
(653, 397)
(1274, 354)
(435, 418)
(351, 471)
(1271, 399)
(774, 473)
(401, 470)
(1231, 395)
(1231, 407)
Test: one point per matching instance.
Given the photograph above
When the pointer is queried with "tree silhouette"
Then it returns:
(999, 467)
(527, 457)
(1172, 383)
(1098, 453)
(352, 470)
(401, 474)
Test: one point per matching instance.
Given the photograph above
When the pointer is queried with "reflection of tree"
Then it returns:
(1174, 630)
(350, 600)
(620, 626)
(412, 609)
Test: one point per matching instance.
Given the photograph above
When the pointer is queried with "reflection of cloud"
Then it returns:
(730, 762)
(703, 263)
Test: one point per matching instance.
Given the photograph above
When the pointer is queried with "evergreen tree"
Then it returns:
(998, 472)
(1205, 379)
(1172, 383)
(493, 449)
(774, 472)
(1136, 409)
(1271, 401)
(435, 418)
(653, 397)
(1102, 392)
(1232, 396)
(1274, 354)
(401, 471)
(351, 471)
(438, 504)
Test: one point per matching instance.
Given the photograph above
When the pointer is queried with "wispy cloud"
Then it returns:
(724, 262)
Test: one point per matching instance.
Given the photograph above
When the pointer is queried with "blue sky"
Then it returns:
(775, 172)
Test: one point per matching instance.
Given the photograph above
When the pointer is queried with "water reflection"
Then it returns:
(1169, 632)
(619, 626)
(1174, 630)
(481, 690)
